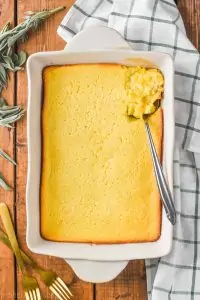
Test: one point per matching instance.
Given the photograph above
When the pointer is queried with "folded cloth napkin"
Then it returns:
(157, 25)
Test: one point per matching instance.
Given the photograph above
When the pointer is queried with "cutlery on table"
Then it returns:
(30, 285)
(50, 278)
(161, 181)
(160, 178)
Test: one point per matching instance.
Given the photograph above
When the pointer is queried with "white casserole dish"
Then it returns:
(93, 45)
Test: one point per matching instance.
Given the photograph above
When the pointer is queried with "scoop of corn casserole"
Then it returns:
(145, 87)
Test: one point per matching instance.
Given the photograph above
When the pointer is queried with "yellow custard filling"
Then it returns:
(145, 87)
(97, 178)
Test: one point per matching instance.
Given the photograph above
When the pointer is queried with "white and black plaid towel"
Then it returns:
(157, 25)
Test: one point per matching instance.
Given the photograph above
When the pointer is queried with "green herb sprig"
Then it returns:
(12, 61)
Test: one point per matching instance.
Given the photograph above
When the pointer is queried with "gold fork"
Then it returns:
(30, 285)
(50, 278)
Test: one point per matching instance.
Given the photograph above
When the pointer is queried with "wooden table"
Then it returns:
(129, 285)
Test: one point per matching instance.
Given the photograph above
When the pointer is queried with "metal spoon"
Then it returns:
(160, 178)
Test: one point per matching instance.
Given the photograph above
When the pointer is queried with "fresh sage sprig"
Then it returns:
(9, 114)
(12, 61)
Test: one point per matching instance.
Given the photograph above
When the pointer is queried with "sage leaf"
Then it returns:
(23, 39)
(8, 63)
(18, 60)
(9, 51)
(3, 102)
(3, 184)
(21, 58)
(8, 119)
(8, 111)
(4, 124)
(9, 36)
(15, 58)
(3, 75)
(5, 28)
(12, 39)
(7, 157)
(3, 45)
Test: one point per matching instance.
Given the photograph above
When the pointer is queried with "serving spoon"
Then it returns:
(160, 178)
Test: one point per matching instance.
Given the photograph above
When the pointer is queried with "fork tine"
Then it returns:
(30, 295)
(27, 296)
(57, 292)
(38, 295)
(34, 294)
(61, 288)
(64, 285)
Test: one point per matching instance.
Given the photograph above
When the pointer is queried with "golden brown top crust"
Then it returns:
(97, 179)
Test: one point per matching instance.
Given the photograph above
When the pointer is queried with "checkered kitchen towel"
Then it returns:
(157, 25)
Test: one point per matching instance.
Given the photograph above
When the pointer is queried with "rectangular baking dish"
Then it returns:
(117, 252)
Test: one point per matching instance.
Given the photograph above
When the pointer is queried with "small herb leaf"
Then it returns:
(3, 102)
(21, 58)
(23, 39)
(10, 115)
(3, 184)
(13, 38)
(5, 28)
(9, 51)
(8, 63)
(3, 75)
(6, 156)
(15, 58)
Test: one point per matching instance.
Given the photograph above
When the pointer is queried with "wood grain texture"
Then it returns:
(129, 285)
(7, 275)
(190, 11)
(45, 39)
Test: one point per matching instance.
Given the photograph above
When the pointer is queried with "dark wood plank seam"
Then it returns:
(15, 158)
(94, 291)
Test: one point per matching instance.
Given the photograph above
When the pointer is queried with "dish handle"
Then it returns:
(97, 271)
(97, 38)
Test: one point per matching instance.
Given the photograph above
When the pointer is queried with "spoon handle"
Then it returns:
(161, 181)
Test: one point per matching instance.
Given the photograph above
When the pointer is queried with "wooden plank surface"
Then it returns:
(190, 11)
(45, 39)
(131, 283)
(7, 264)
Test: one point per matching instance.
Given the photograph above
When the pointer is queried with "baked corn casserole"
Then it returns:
(97, 178)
